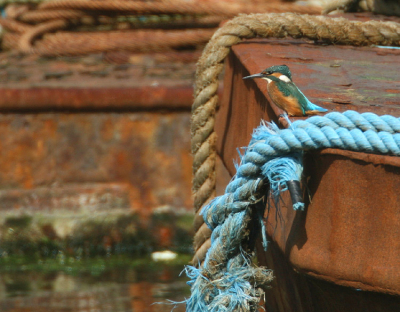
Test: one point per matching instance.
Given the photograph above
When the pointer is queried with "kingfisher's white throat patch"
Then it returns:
(284, 78)
(267, 79)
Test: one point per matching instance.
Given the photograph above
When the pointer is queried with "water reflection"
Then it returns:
(117, 289)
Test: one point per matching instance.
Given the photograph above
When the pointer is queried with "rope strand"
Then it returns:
(210, 65)
(273, 157)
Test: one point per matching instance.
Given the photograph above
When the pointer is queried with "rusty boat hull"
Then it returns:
(342, 252)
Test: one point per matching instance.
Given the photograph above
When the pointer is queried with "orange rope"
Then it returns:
(38, 16)
(52, 16)
(69, 44)
(14, 25)
(176, 7)
(25, 43)
(35, 17)
(123, 57)
(10, 41)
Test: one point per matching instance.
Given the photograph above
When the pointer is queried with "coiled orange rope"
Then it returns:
(122, 18)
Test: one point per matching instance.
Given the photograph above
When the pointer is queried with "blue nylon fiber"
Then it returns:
(280, 170)
(392, 122)
(332, 136)
(389, 142)
(289, 136)
(254, 158)
(298, 206)
(396, 138)
(300, 124)
(235, 183)
(362, 142)
(376, 142)
(342, 120)
(248, 169)
(347, 138)
(318, 122)
(305, 140)
(228, 281)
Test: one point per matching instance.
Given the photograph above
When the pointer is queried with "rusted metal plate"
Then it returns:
(53, 160)
(294, 292)
(349, 234)
(90, 83)
(338, 78)
(76, 197)
(95, 153)
(96, 98)
(146, 154)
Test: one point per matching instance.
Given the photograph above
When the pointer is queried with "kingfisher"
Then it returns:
(285, 94)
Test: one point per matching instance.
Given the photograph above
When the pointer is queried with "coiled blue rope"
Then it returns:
(228, 281)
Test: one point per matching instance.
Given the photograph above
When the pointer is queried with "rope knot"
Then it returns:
(273, 158)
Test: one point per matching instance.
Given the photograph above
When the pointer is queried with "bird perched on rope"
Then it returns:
(285, 94)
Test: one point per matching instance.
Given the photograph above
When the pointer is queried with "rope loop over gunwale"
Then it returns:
(210, 65)
(273, 157)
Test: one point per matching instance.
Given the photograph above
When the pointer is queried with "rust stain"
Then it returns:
(392, 91)
(90, 83)
(342, 238)
(339, 88)
(58, 149)
(95, 98)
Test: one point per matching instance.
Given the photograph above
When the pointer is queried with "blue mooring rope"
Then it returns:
(228, 281)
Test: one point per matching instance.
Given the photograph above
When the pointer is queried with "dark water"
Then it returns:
(121, 286)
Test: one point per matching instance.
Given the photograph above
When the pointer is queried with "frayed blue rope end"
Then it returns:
(283, 171)
(298, 206)
(233, 290)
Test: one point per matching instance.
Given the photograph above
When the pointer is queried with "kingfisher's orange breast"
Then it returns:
(287, 103)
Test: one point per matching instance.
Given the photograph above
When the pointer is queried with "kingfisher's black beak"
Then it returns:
(254, 76)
